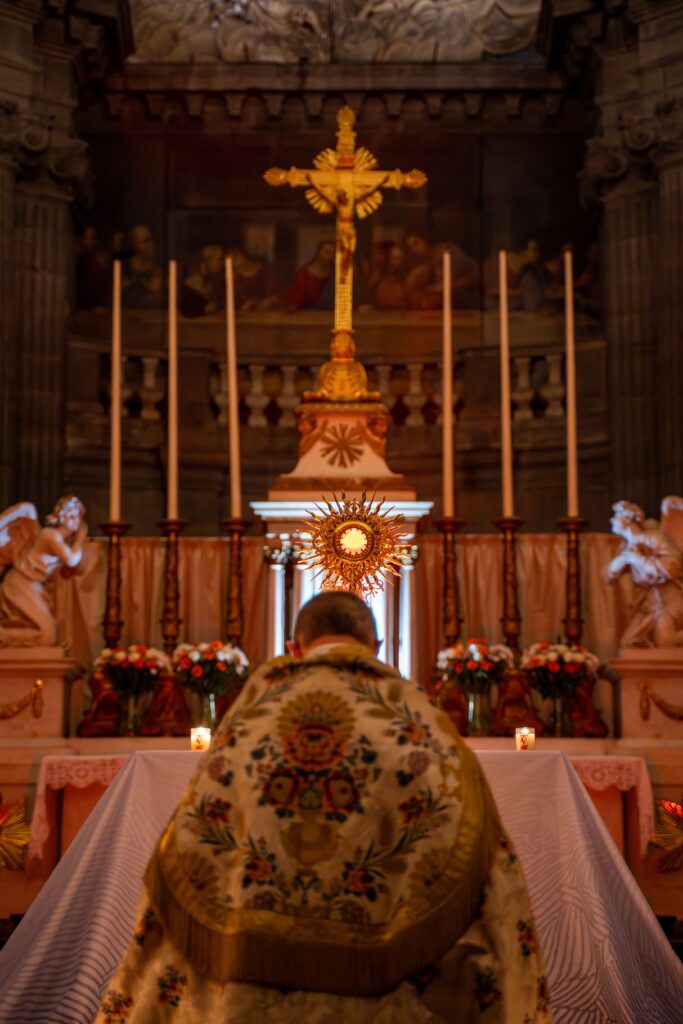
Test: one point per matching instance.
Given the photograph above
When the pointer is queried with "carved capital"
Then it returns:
(606, 163)
(29, 141)
(640, 145)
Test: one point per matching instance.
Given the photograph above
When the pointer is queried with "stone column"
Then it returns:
(670, 308)
(629, 261)
(44, 253)
(8, 361)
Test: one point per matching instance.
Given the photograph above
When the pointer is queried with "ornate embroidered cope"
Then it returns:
(336, 836)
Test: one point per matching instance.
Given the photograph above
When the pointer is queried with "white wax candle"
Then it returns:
(570, 378)
(505, 417)
(525, 738)
(172, 425)
(115, 402)
(233, 399)
(447, 391)
(200, 738)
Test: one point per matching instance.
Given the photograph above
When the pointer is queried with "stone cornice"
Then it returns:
(172, 92)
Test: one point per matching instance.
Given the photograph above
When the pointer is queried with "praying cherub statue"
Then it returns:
(34, 557)
(653, 554)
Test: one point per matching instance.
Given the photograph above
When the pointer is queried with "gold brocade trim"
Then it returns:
(351, 657)
(265, 947)
(647, 694)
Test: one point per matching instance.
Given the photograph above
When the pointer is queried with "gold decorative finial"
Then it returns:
(355, 544)
(347, 182)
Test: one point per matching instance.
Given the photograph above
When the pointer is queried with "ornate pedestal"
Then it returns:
(20, 667)
(342, 446)
(651, 691)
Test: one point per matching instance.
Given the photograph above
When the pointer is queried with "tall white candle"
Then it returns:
(447, 391)
(115, 402)
(570, 379)
(505, 416)
(172, 425)
(233, 399)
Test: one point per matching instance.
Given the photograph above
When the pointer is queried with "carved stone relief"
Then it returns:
(326, 31)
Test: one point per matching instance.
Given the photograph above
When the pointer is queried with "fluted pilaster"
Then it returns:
(630, 259)
(670, 303)
(43, 247)
(8, 361)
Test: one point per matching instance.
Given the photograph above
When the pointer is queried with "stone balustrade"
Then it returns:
(278, 360)
(269, 394)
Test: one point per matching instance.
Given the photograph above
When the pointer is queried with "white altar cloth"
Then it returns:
(607, 959)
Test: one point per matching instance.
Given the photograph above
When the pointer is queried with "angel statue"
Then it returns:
(34, 557)
(653, 554)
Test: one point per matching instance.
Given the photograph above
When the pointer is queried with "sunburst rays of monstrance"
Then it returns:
(355, 544)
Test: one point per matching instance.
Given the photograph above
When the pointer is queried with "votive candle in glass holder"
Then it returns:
(200, 738)
(525, 738)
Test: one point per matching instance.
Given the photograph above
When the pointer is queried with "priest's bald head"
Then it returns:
(334, 617)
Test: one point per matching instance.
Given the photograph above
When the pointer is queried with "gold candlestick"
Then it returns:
(170, 616)
(112, 622)
(573, 623)
(452, 620)
(234, 623)
(511, 620)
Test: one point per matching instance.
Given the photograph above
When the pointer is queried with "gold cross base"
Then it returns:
(343, 378)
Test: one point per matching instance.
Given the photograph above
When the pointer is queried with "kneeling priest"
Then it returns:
(337, 856)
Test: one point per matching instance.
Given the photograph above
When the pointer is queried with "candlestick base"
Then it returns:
(112, 622)
(573, 623)
(170, 616)
(511, 621)
(234, 528)
(452, 621)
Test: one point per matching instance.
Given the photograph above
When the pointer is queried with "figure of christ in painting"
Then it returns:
(337, 856)
(143, 281)
(310, 281)
(390, 290)
(203, 291)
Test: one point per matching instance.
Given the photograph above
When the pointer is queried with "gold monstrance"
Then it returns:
(346, 181)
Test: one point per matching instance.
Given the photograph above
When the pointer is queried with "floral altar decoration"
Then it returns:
(213, 670)
(131, 671)
(563, 674)
(466, 671)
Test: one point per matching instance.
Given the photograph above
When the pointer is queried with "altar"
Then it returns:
(605, 952)
(140, 627)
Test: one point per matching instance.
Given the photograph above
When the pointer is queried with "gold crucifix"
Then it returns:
(344, 180)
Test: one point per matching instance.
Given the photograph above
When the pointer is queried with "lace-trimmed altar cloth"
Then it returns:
(606, 955)
(624, 773)
(596, 772)
(57, 772)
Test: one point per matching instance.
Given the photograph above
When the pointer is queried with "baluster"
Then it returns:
(414, 398)
(288, 398)
(126, 389)
(219, 393)
(151, 391)
(553, 391)
(383, 371)
(257, 396)
(523, 391)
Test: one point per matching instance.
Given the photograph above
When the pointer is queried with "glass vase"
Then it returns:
(209, 710)
(561, 722)
(129, 708)
(478, 713)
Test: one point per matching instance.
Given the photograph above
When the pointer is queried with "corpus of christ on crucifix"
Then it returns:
(340, 680)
